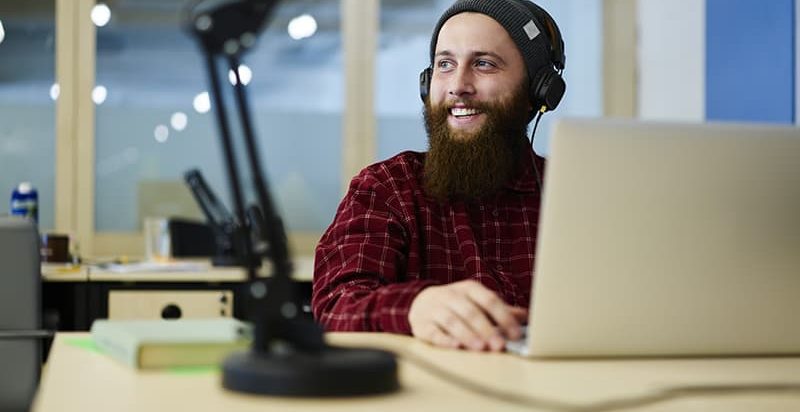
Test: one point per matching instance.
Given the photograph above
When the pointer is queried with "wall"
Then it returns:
(751, 54)
(717, 60)
(671, 60)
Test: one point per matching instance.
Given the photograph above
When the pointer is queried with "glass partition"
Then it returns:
(27, 108)
(154, 123)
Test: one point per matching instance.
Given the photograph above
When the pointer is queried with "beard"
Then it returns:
(470, 165)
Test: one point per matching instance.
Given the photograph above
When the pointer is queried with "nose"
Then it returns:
(461, 83)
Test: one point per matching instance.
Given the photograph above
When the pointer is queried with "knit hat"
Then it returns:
(532, 40)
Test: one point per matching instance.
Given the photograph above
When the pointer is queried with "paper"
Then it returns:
(155, 267)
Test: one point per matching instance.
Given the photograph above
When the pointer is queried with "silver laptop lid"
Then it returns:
(668, 239)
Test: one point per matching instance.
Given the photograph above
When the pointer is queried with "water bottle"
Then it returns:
(25, 201)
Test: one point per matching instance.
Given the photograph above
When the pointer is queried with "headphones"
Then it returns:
(547, 86)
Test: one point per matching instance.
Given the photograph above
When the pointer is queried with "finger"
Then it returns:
(497, 310)
(475, 319)
(435, 336)
(452, 324)
(497, 343)
(442, 339)
(520, 313)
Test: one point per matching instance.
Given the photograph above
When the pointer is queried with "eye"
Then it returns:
(487, 64)
(444, 65)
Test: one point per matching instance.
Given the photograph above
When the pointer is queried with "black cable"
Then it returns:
(662, 395)
(539, 183)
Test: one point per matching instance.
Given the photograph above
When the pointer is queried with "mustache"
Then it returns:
(482, 106)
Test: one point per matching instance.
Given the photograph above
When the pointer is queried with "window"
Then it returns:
(153, 121)
(27, 109)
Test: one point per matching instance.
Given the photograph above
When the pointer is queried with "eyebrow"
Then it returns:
(448, 53)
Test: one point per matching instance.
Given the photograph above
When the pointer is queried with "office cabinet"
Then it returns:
(169, 304)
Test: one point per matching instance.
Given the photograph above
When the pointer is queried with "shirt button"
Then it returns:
(499, 267)
(495, 213)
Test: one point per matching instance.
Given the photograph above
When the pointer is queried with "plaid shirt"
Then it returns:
(389, 240)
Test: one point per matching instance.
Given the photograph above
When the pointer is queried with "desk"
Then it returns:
(304, 272)
(58, 272)
(78, 379)
(75, 296)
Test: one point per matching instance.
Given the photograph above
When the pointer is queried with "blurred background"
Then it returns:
(104, 105)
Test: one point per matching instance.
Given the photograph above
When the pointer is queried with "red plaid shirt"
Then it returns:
(389, 240)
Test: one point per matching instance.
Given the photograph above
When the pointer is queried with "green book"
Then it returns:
(149, 344)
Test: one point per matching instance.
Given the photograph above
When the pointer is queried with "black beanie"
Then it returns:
(532, 40)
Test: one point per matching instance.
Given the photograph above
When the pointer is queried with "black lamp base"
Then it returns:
(330, 372)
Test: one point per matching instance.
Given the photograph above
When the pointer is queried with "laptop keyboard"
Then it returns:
(519, 346)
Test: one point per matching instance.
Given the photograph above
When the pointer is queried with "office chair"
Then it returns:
(20, 313)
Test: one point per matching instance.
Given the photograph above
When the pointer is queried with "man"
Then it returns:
(441, 244)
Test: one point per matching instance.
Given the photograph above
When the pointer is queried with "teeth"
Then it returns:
(463, 111)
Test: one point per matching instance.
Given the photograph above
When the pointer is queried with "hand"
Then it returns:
(464, 315)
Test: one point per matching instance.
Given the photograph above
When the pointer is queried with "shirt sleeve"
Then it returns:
(359, 268)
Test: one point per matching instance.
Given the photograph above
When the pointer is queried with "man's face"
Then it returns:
(475, 63)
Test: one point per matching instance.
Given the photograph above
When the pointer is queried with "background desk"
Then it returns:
(75, 297)
(79, 379)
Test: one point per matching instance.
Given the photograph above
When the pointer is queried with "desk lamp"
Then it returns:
(224, 225)
(289, 356)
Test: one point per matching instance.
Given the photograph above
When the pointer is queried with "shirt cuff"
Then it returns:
(394, 303)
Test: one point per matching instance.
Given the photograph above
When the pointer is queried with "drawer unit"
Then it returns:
(169, 304)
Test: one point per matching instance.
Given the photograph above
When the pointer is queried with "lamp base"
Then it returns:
(330, 372)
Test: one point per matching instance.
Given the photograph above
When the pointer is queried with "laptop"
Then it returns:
(667, 239)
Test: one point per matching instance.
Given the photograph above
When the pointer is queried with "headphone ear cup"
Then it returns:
(425, 83)
(547, 90)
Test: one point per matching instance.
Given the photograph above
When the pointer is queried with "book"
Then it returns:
(159, 343)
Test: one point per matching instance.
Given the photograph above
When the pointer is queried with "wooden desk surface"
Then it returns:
(58, 272)
(80, 379)
(304, 271)
(207, 273)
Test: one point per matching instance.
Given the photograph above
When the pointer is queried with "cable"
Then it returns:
(483, 390)
(662, 395)
(536, 123)
(539, 183)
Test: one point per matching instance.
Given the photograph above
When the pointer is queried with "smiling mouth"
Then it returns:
(463, 112)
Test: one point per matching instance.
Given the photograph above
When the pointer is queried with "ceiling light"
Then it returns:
(179, 121)
(201, 103)
(245, 75)
(55, 91)
(101, 15)
(99, 94)
(161, 133)
(302, 26)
